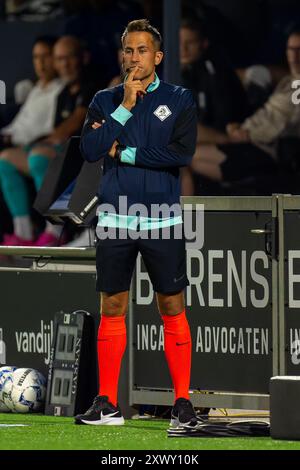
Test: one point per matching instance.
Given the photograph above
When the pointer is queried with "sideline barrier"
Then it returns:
(289, 281)
(57, 280)
(243, 332)
(47, 252)
(233, 305)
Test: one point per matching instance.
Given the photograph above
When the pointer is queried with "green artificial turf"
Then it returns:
(49, 432)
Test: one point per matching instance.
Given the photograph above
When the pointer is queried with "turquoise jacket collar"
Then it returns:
(154, 85)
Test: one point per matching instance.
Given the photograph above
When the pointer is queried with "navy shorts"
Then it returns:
(164, 259)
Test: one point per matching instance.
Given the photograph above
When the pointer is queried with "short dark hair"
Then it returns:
(143, 26)
(197, 25)
(48, 40)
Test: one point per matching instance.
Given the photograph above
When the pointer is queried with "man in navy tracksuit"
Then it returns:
(145, 130)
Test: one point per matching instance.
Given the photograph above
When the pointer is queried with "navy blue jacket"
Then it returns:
(159, 135)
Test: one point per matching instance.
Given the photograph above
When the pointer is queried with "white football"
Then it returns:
(5, 372)
(3, 408)
(6, 393)
(28, 391)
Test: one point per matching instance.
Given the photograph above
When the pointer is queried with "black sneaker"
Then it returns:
(102, 412)
(183, 414)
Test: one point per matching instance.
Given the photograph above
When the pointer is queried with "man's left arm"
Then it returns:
(73, 124)
(269, 122)
(178, 153)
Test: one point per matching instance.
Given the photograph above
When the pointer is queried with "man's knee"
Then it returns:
(12, 159)
(38, 164)
(114, 305)
(44, 151)
(171, 304)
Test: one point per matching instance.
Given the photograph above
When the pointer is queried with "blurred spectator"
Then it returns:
(252, 152)
(75, 98)
(22, 90)
(280, 117)
(9, 111)
(67, 120)
(259, 86)
(72, 104)
(218, 91)
(35, 118)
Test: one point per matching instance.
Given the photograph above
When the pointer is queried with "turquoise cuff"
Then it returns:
(121, 115)
(128, 155)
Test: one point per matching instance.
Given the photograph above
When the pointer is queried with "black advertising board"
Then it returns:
(29, 303)
(292, 292)
(229, 309)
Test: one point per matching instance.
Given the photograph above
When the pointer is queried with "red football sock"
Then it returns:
(178, 350)
(111, 347)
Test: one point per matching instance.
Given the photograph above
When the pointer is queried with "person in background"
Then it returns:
(218, 91)
(34, 121)
(70, 110)
(258, 83)
(72, 103)
(280, 117)
(253, 141)
(86, 236)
